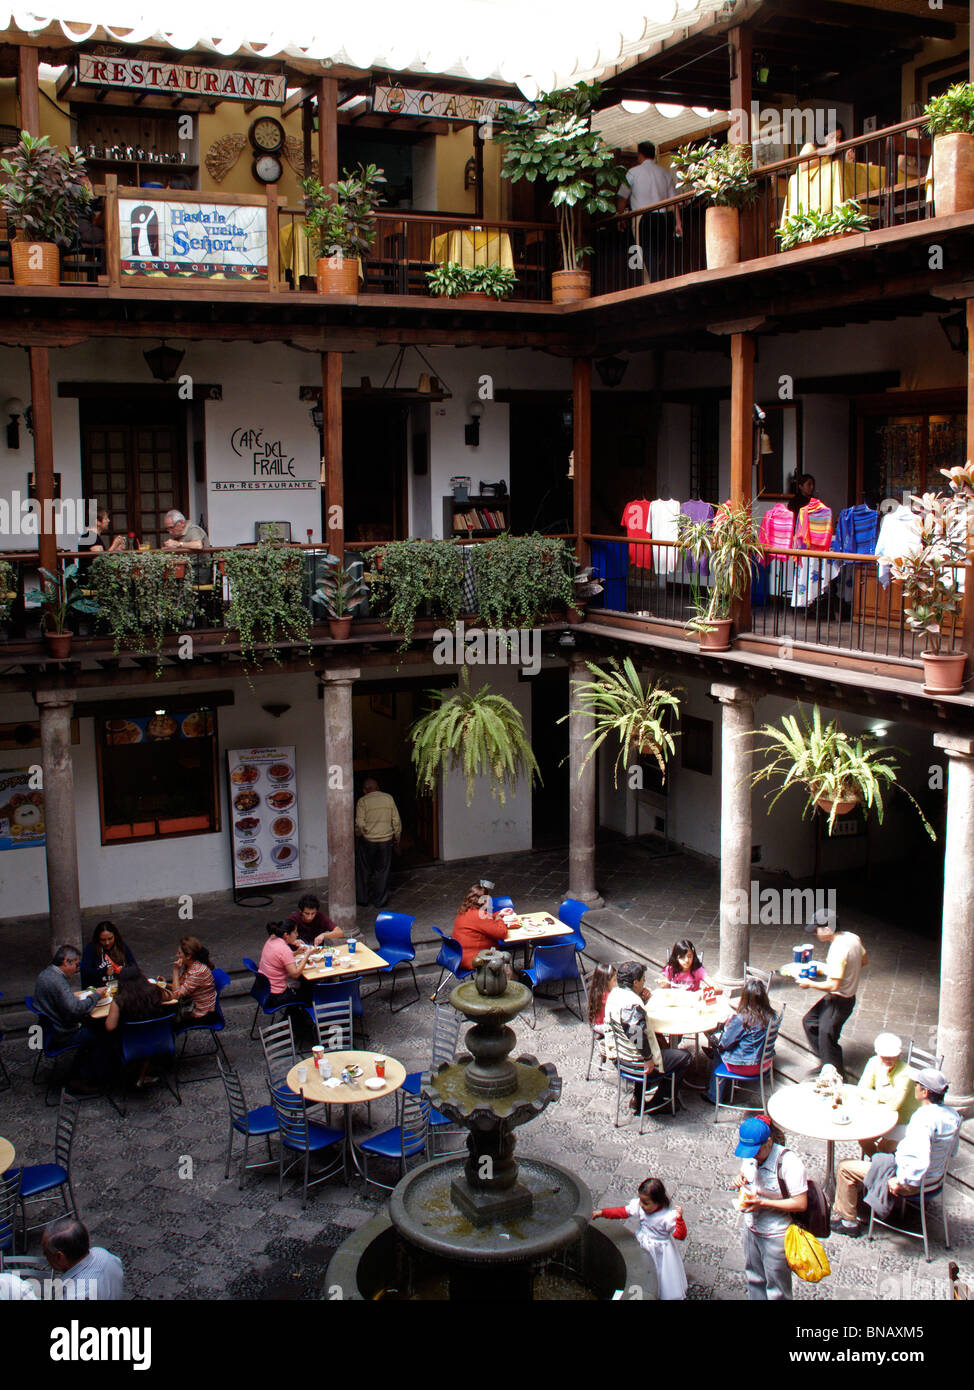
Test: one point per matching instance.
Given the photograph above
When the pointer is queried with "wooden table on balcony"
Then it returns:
(823, 183)
(471, 246)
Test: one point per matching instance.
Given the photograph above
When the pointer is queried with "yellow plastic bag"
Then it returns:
(805, 1255)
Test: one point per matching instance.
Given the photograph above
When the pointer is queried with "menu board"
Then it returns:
(21, 810)
(263, 816)
(158, 728)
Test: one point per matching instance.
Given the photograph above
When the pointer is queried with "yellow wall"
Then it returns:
(932, 52)
(230, 118)
(452, 152)
(55, 121)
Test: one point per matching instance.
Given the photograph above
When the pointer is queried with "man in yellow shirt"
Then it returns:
(377, 830)
(887, 1080)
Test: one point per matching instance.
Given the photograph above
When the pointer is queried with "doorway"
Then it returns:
(133, 461)
(549, 739)
(374, 467)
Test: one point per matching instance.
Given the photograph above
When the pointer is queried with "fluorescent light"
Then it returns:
(635, 108)
(880, 730)
(670, 112)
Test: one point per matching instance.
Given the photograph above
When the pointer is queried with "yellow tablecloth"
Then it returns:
(294, 252)
(469, 248)
(823, 184)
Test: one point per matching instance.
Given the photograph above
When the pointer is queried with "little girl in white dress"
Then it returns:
(660, 1227)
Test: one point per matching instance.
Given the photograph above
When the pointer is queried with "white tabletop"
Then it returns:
(799, 1110)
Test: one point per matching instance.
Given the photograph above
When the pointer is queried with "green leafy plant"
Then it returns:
(804, 226)
(639, 718)
(267, 603)
(929, 574)
(829, 764)
(730, 546)
(8, 581)
(479, 734)
(60, 597)
(140, 597)
(340, 591)
(45, 192)
(407, 574)
(719, 174)
(342, 222)
(518, 580)
(453, 279)
(553, 141)
(952, 112)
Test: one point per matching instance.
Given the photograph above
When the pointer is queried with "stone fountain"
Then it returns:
(483, 1227)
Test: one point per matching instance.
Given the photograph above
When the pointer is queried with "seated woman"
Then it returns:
(475, 928)
(684, 970)
(601, 985)
(281, 963)
(740, 1043)
(309, 918)
(136, 1001)
(192, 981)
(886, 1080)
(103, 959)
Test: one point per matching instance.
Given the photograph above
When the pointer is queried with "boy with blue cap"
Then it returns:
(772, 1184)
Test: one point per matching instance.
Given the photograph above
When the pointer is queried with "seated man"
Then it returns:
(86, 1271)
(625, 1006)
(931, 1121)
(183, 534)
(886, 1080)
(309, 918)
(55, 998)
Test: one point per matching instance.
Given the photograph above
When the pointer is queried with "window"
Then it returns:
(697, 744)
(157, 775)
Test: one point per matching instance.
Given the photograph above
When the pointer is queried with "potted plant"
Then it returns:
(456, 281)
(801, 227)
(520, 580)
(8, 589)
(142, 597)
(950, 120)
(412, 573)
(43, 197)
(339, 592)
(340, 226)
(930, 588)
(639, 718)
(479, 734)
(721, 176)
(839, 773)
(729, 544)
(585, 585)
(553, 141)
(267, 599)
(60, 597)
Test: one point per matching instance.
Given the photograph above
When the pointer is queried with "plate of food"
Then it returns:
(245, 801)
(162, 726)
(245, 775)
(281, 800)
(282, 827)
(248, 857)
(284, 854)
(197, 725)
(354, 1071)
(122, 731)
(280, 772)
(247, 827)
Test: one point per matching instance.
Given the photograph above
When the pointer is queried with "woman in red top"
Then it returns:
(476, 928)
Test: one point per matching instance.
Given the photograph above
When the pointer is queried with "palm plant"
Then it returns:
(730, 546)
(619, 704)
(838, 772)
(478, 734)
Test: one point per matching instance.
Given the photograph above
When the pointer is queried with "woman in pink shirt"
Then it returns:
(281, 962)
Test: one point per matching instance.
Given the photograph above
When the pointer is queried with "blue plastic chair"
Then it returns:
(4, 1074)
(302, 1137)
(260, 990)
(496, 904)
(260, 1123)
(448, 959)
(721, 1074)
(554, 964)
(393, 932)
(571, 913)
(37, 1179)
(405, 1140)
(147, 1040)
(50, 1050)
(190, 1025)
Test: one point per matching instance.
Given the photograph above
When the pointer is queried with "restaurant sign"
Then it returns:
(264, 819)
(180, 79)
(21, 810)
(190, 239)
(445, 106)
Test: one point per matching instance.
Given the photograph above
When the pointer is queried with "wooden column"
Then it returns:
(742, 444)
(113, 245)
(478, 159)
(273, 238)
(28, 92)
(582, 445)
(61, 839)
(306, 130)
(968, 628)
(328, 130)
(331, 470)
(40, 399)
(741, 60)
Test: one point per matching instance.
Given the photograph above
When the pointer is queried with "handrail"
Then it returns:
(768, 550)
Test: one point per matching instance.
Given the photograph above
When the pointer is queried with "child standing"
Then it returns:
(660, 1226)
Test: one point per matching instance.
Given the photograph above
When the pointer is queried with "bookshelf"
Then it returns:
(476, 517)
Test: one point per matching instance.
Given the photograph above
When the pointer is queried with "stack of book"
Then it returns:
(479, 519)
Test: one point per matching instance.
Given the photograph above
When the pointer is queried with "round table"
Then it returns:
(7, 1155)
(799, 1110)
(355, 1093)
(102, 1007)
(680, 1011)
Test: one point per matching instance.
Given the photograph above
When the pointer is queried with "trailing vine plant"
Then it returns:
(267, 602)
(407, 574)
(8, 585)
(139, 599)
(518, 580)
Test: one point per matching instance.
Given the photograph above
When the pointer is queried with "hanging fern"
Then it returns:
(479, 734)
(620, 706)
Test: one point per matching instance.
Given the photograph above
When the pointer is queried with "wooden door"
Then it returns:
(133, 461)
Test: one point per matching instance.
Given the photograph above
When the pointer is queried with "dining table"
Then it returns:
(102, 1007)
(361, 961)
(822, 183)
(681, 1012)
(7, 1155)
(472, 246)
(801, 1110)
(334, 1091)
(534, 929)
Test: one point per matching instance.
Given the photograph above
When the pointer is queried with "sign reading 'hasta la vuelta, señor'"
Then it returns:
(180, 79)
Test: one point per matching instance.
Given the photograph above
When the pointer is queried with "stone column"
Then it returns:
(582, 793)
(736, 756)
(340, 794)
(955, 1024)
(61, 841)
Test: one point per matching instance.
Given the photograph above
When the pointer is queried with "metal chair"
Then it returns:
(50, 1050)
(252, 1124)
(448, 959)
(631, 1067)
(338, 992)
(447, 1022)
(277, 1042)
(260, 990)
(302, 1137)
(721, 1074)
(942, 1150)
(393, 933)
(37, 1179)
(4, 1074)
(752, 972)
(920, 1058)
(405, 1140)
(334, 1024)
(596, 1038)
(147, 1040)
(9, 1195)
(554, 963)
(190, 1025)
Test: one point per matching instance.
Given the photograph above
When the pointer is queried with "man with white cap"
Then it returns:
(932, 1121)
(843, 965)
(887, 1080)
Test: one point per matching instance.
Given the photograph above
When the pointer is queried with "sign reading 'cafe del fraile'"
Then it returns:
(180, 79)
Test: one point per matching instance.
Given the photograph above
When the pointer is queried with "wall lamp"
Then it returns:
(14, 408)
(471, 432)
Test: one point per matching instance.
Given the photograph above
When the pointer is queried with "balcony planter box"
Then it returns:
(46, 257)
(58, 644)
(567, 286)
(722, 232)
(340, 628)
(953, 173)
(943, 672)
(719, 640)
(337, 279)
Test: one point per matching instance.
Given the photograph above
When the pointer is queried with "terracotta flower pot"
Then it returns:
(35, 263)
(574, 616)
(473, 294)
(340, 277)
(719, 639)
(943, 673)
(567, 286)
(953, 173)
(722, 233)
(58, 644)
(340, 628)
(179, 569)
(842, 808)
